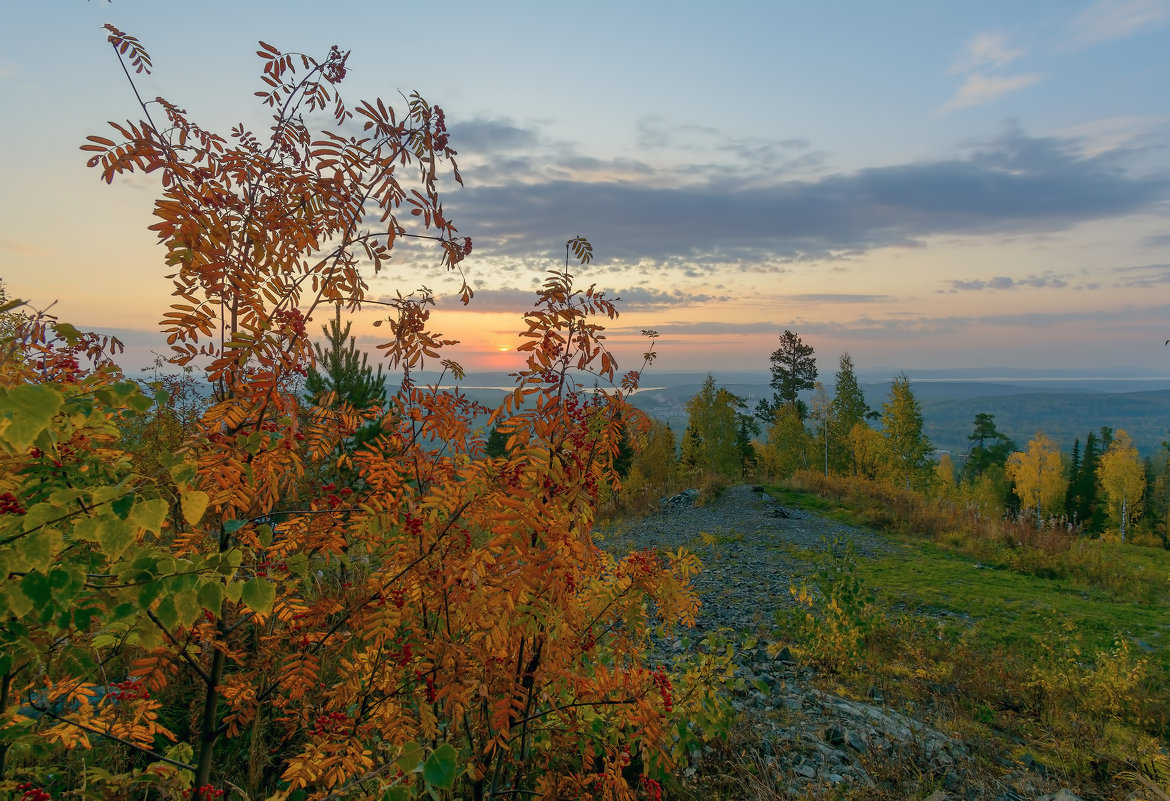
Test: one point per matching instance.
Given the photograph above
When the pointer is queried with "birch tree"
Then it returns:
(1038, 475)
(1123, 478)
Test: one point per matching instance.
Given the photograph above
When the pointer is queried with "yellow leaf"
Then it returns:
(194, 504)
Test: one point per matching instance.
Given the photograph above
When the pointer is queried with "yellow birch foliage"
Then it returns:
(1038, 475)
(1123, 478)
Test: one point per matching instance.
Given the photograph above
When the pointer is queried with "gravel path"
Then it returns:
(756, 556)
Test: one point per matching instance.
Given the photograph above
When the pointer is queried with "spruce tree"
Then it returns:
(902, 428)
(344, 370)
(848, 409)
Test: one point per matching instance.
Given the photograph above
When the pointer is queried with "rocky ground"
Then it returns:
(807, 742)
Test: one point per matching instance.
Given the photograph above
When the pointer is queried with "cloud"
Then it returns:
(1013, 184)
(491, 136)
(1144, 275)
(1005, 283)
(1107, 20)
(632, 299)
(985, 50)
(981, 89)
(833, 297)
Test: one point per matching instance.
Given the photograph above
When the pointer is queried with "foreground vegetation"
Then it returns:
(294, 585)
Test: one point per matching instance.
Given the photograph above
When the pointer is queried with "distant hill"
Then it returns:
(1063, 416)
(1065, 406)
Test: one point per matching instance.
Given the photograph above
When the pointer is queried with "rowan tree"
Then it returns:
(1123, 478)
(1038, 476)
(451, 619)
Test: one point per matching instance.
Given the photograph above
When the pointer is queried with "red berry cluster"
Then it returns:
(644, 563)
(429, 680)
(292, 319)
(653, 788)
(414, 525)
(664, 688)
(330, 724)
(403, 654)
(130, 690)
(10, 505)
(204, 793)
(441, 135)
(30, 792)
(334, 67)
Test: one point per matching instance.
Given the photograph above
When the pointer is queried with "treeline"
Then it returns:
(1101, 488)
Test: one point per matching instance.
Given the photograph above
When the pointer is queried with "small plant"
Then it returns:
(1081, 693)
(839, 612)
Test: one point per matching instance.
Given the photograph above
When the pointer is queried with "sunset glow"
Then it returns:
(936, 185)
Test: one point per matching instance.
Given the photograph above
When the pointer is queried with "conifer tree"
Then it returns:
(341, 370)
(711, 441)
(988, 447)
(1081, 500)
(793, 369)
(902, 425)
(848, 409)
(344, 370)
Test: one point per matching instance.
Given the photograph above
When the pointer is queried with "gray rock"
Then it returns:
(805, 770)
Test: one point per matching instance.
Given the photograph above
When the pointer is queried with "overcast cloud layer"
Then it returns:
(1010, 185)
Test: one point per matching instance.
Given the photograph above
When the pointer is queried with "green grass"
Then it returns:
(1016, 610)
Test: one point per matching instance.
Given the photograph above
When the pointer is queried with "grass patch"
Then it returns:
(1063, 652)
(1011, 608)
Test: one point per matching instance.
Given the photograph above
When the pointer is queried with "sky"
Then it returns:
(922, 185)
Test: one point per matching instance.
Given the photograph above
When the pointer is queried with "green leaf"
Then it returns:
(114, 536)
(36, 587)
(233, 591)
(232, 526)
(166, 612)
(442, 767)
(194, 503)
(18, 602)
(187, 607)
(398, 792)
(298, 564)
(264, 532)
(211, 596)
(411, 757)
(150, 514)
(123, 505)
(25, 411)
(67, 332)
(260, 595)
